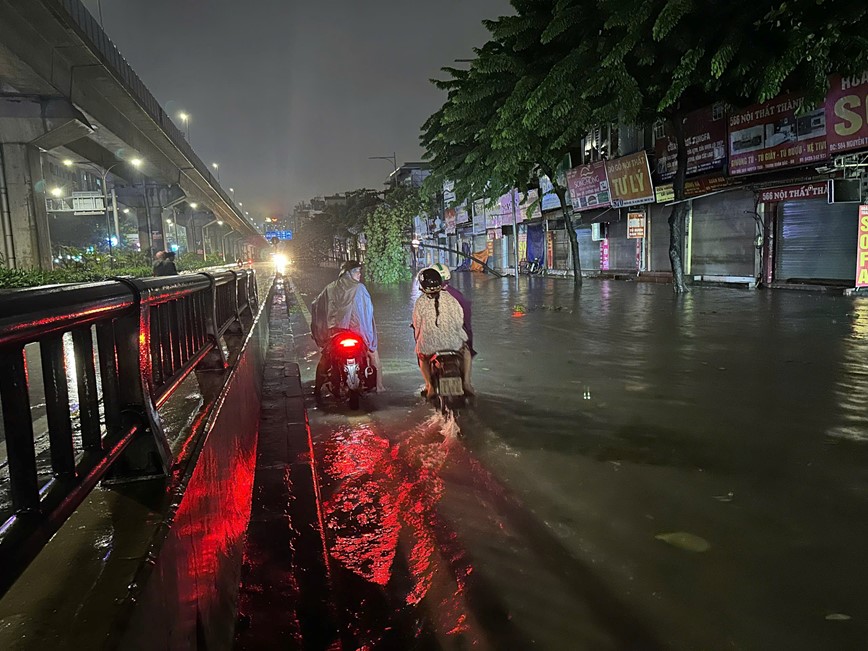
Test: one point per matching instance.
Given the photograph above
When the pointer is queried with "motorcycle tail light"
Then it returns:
(349, 343)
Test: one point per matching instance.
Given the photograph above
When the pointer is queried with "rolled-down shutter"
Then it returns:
(589, 250)
(659, 258)
(816, 241)
(724, 235)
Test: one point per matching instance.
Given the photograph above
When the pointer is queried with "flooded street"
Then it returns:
(639, 471)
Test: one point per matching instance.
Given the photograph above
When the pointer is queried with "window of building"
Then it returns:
(659, 129)
(717, 111)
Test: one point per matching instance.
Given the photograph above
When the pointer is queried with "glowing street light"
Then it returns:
(185, 118)
(194, 205)
(68, 162)
(136, 162)
(126, 211)
(216, 167)
(57, 192)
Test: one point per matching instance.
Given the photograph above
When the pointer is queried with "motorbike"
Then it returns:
(447, 376)
(350, 373)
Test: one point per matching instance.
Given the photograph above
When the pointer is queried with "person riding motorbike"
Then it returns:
(469, 351)
(438, 324)
(345, 304)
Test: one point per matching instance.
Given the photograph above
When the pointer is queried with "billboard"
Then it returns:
(847, 113)
(630, 180)
(705, 137)
(771, 135)
(589, 186)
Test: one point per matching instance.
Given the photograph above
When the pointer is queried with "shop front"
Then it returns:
(723, 236)
(815, 241)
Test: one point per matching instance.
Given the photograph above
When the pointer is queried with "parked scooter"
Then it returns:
(350, 373)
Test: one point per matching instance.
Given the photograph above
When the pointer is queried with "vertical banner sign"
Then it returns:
(449, 218)
(604, 255)
(522, 243)
(862, 249)
(630, 180)
(847, 113)
(635, 225)
(550, 250)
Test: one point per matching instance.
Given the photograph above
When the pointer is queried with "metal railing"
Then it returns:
(134, 342)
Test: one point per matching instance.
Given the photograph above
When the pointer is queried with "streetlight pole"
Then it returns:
(135, 162)
(205, 237)
(216, 167)
(394, 160)
(185, 118)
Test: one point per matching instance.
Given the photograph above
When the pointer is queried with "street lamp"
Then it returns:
(185, 118)
(394, 160)
(223, 242)
(205, 228)
(216, 167)
(56, 192)
(136, 163)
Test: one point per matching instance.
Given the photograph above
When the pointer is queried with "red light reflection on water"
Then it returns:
(388, 493)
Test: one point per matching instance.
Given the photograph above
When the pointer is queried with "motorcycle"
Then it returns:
(447, 375)
(350, 373)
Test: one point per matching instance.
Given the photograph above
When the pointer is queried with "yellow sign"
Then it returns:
(664, 193)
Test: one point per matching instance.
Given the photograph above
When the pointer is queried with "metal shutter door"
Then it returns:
(622, 252)
(724, 232)
(816, 241)
(659, 259)
(589, 250)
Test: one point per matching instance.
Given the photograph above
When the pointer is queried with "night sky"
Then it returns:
(290, 97)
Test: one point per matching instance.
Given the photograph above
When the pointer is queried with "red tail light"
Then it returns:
(349, 343)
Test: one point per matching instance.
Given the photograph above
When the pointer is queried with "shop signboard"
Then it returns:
(795, 192)
(479, 216)
(589, 186)
(604, 255)
(847, 113)
(705, 137)
(530, 200)
(449, 218)
(771, 135)
(630, 180)
(550, 200)
(635, 225)
(862, 249)
(522, 243)
(494, 234)
(448, 194)
(462, 215)
(692, 188)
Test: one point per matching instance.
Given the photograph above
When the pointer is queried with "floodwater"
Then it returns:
(639, 471)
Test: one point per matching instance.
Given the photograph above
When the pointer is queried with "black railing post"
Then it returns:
(215, 360)
(57, 406)
(148, 454)
(20, 447)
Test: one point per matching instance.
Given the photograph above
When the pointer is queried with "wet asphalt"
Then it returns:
(639, 471)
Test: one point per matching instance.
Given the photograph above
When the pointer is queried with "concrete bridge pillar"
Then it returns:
(29, 125)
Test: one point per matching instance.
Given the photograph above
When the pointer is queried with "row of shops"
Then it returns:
(738, 236)
(773, 196)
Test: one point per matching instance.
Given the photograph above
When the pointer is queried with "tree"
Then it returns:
(387, 229)
(497, 129)
(661, 59)
(560, 67)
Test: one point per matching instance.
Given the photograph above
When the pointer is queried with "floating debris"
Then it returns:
(686, 541)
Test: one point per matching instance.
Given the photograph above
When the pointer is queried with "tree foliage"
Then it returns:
(387, 230)
(560, 67)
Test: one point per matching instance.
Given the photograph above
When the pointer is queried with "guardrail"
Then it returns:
(141, 338)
